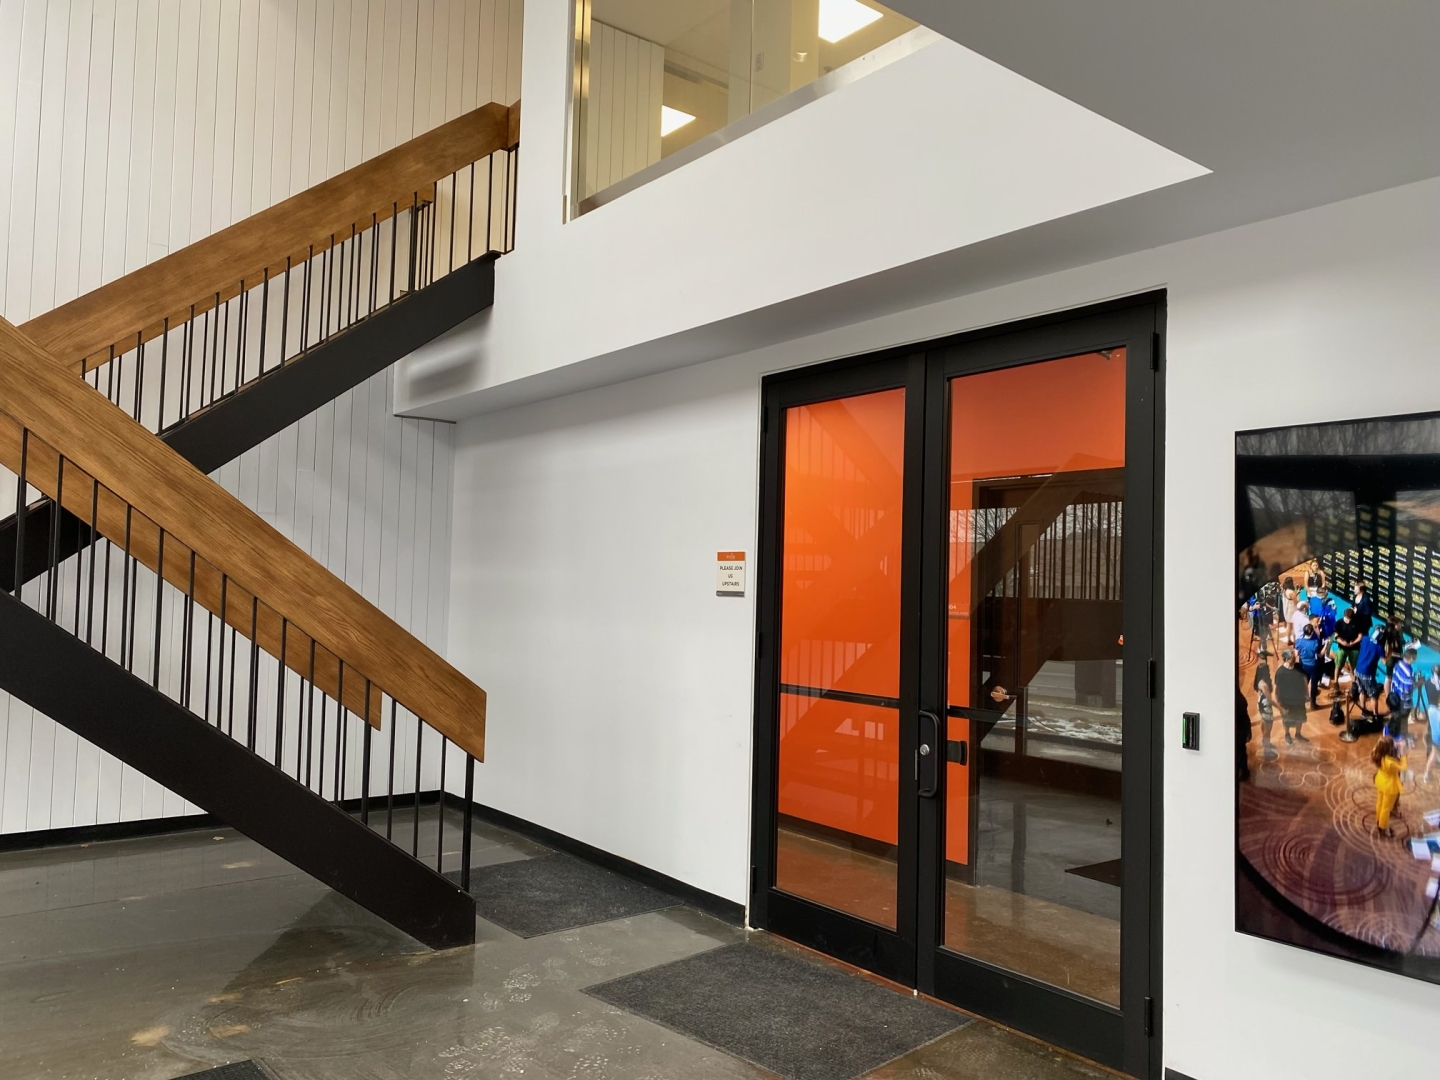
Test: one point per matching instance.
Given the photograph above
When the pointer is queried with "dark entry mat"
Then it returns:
(800, 1018)
(240, 1070)
(554, 892)
(1107, 873)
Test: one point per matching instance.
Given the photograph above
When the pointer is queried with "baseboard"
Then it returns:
(1171, 1074)
(113, 830)
(725, 910)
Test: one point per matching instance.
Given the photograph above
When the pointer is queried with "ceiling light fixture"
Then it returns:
(672, 120)
(841, 18)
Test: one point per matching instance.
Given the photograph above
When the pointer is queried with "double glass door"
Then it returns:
(955, 765)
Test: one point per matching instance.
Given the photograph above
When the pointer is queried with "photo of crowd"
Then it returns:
(1337, 700)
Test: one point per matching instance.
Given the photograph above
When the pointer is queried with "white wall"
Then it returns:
(129, 128)
(936, 151)
(620, 686)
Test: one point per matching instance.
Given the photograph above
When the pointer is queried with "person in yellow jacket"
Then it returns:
(1389, 762)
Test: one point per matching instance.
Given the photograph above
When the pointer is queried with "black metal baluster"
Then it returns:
(253, 712)
(310, 726)
(134, 607)
(470, 215)
(187, 649)
(285, 316)
(230, 720)
(489, 202)
(57, 511)
(220, 651)
(139, 374)
(454, 209)
(374, 262)
(264, 318)
(217, 386)
(390, 780)
(164, 361)
(125, 588)
(20, 508)
(79, 571)
(320, 780)
(469, 817)
(209, 652)
(440, 811)
(159, 602)
(187, 381)
(325, 304)
(280, 693)
(105, 611)
(365, 761)
(340, 713)
(410, 275)
(110, 376)
(94, 543)
(394, 229)
(242, 337)
(305, 286)
(419, 749)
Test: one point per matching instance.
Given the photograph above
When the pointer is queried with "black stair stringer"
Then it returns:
(222, 432)
(62, 677)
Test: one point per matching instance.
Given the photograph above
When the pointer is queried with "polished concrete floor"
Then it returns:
(153, 958)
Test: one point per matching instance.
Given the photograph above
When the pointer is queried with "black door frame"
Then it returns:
(1128, 1038)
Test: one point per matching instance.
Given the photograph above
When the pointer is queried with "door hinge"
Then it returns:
(1149, 1017)
(1150, 678)
(1155, 351)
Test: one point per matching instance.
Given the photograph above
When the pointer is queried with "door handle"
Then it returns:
(927, 756)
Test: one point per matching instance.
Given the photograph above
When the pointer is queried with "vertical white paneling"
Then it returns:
(12, 22)
(71, 188)
(129, 128)
(623, 115)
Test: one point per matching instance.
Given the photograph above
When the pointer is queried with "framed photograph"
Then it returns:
(1337, 700)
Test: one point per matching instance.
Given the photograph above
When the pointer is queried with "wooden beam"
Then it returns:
(147, 488)
(136, 306)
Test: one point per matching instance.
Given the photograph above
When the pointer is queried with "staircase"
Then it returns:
(153, 614)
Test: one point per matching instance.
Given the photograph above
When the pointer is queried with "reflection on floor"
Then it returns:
(1307, 826)
(150, 959)
(1064, 930)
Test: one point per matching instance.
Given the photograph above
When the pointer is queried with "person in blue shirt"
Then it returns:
(1367, 668)
(1308, 651)
(1402, 686)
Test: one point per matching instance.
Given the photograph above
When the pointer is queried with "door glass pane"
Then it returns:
(839, 765)
(1032, 819)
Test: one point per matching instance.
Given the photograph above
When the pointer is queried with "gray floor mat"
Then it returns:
(554, 892)
(801, 1018)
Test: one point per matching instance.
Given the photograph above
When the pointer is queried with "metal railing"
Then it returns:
(136, 594)
(229, 343)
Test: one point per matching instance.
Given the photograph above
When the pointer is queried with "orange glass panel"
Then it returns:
(1032, 840)
(839, 789)
(840, 613)
(840, 631)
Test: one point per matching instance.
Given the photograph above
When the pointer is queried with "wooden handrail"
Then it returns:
(167, 492)
(186, 282)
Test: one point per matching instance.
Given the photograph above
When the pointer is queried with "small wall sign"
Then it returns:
(730, 573)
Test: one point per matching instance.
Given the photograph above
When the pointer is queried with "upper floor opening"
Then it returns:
(657, 83)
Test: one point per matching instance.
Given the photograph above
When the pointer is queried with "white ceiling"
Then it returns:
(698, 28)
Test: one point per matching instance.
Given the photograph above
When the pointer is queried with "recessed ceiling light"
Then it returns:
(672, 119)
(841, 18)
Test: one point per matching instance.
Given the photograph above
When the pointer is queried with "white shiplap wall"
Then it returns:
(129, 128)
(622, 114)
